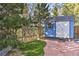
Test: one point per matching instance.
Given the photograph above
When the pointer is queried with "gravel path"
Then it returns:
(59, 48)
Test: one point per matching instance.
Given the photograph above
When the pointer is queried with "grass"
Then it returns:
(34, 48)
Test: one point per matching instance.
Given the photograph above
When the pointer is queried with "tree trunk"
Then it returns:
(39, 31)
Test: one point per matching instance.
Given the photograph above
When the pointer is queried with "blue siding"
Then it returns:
(72, 28)
(50, 32)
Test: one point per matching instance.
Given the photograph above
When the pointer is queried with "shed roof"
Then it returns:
(60, 18)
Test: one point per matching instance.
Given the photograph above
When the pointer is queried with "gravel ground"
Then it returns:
(60, 48)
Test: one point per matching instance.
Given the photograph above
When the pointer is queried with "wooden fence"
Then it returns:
(76, 31)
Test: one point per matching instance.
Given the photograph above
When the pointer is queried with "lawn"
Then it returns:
(34, 48)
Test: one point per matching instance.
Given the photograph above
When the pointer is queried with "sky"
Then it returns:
(51, 5)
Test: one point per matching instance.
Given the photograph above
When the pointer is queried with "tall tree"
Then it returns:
(68, 9)
(42, 12)
(10, 16)
(71, 9)
(55, 10)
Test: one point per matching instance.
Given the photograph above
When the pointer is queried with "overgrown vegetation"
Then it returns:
(17, 16)
(34, 48)
(10, 22)
(4, 43)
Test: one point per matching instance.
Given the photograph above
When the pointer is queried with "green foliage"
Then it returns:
(25, 22)
(41, 11)
(71, 9)
(8, 42)
(68, 9)
(13, 22)
(9, 16)
(11, 8)
(10, 21)
(55, 10)
(33, 48)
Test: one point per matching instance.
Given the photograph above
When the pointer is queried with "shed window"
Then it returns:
(49, 25)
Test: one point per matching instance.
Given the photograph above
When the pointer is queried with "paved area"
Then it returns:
(59, 48)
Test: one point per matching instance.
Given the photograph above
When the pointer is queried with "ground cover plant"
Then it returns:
(34, 48)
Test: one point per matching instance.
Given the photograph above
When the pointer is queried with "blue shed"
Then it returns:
(59, 27)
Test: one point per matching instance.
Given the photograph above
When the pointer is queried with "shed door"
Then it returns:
(50, 29)
(62, 29)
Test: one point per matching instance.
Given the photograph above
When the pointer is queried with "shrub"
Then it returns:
(8, 42)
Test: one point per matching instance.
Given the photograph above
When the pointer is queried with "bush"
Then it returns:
(8, 42)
